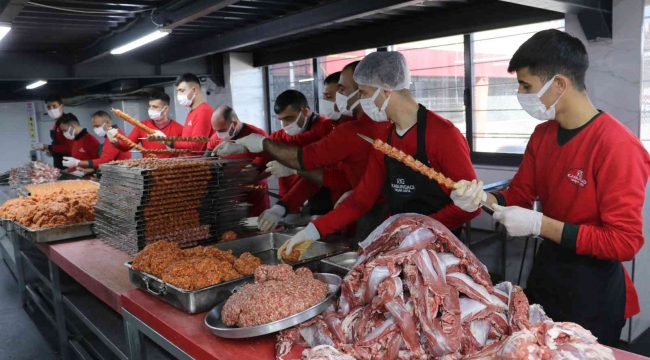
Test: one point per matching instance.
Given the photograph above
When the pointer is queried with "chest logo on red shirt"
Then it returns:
(82, 150)
(190, 124)
(576, 177)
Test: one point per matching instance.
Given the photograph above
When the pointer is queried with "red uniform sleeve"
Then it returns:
(134, 136)
(214, 141)
(301, 191)
(335, 177)
(360, 202)
(452, 154)
(320, 130)
(93, 145)
(202, 127)
(522, 190)
(332, 149)
(621, 180)
(109, 153)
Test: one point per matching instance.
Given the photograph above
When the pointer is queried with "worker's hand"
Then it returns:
(159, 133)
(227, 148)
(343, 197)
(70, 162)
(310, 233)
(48, 153)
(279, 170)
(253, 142)
(111, 134)
(468, 195)
(270, 218)
(518, 221)
(39, 146)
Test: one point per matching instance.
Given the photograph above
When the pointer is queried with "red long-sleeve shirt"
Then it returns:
(109, 153)
(85, 146)
(448, 153)
(60, 144)
(197, 123)
(597, 181)
(258, 199)
(173, 128)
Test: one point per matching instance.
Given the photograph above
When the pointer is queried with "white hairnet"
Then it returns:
(385, 70)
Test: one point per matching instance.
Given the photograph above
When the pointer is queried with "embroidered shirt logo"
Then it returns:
(576, 177)
(190, 124)
(82, 150)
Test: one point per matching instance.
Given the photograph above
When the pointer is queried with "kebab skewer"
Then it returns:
(416, 165)
(131, 144)
(128, 118)
(197, 139)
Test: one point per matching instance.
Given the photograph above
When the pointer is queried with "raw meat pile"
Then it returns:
(417, 292)
(278, 292)
(35, 172)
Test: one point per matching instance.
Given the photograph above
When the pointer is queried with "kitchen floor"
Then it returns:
(24, 335)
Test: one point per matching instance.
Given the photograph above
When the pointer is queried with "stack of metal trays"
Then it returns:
(137, 206)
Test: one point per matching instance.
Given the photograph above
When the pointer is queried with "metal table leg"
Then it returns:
(58, 310)
(136, 328)
(20, 270)
(134, 339)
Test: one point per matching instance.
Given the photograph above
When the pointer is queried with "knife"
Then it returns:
(483, 204)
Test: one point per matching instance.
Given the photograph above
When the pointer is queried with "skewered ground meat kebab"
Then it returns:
(198, 139)
(131, 144)
(166, 151)
(128, 118)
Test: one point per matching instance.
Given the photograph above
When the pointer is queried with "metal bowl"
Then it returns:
(213, 319)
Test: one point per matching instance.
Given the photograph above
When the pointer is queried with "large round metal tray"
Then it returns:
(213, 319)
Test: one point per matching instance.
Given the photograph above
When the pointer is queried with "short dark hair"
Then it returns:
(552, 52)
(103, 114)
(332, 78)
(229, 113)
(188, 78)
(352, 66)
(293, 98)
(69, 119)
(54, 98)
(160, 95)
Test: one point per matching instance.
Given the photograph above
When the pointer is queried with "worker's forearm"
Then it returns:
(552, 229)
(491, 199)
(315, 176)
(285, 154)
(83, 164)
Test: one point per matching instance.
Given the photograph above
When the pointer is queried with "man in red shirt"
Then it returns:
(328, 102)
(84, 146)
(108, 152)
(158, 121)
(60, 145)
(590, 173)
(383, 79)
(198, 121)
(227, 127)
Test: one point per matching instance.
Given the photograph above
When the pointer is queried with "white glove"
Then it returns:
(343, 197)
(308, 233)
(70, 162)
(468, 195)
(270, 218)
(253, 142)
(39, 146)
(518, 221)
(279, 170)
(111, 136)
(227, 148)
(159, 133)
(79, 173)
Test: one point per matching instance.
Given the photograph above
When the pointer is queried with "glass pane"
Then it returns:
(500, 125)
(297, 75)
(438, 75)
(645, 110)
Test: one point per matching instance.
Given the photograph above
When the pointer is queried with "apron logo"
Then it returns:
(402, 188)
(576, 177)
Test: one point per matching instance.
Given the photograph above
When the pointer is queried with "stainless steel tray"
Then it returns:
(345, 260)
(7, 224)
(297, 222)
(214, 323)
(263, 246)
(55, 234)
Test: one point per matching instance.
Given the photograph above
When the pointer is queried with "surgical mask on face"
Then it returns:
(156, 115)
(373, 112)
(69, 134)
(533, 105)
(293, 129)
(184, 100)
(329, 111)
(226, 135)
(54, 113)
(99, 131)
(342, 103)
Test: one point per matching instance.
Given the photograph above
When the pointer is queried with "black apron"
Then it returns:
(408, 191)
(321, 202)
(57, 159)
(580, 289)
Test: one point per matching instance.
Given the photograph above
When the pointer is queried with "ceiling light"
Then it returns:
(141, 41)
(36, 84)
(306, 80)
(4, 29)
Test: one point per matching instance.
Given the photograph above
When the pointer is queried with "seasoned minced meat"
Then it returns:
(273, 272)
(271, 300)
(155, 258)
(247, 263)
(220, 254)
(198, 272)
(293, 257)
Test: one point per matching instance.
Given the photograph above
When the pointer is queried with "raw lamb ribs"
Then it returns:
(417, 292)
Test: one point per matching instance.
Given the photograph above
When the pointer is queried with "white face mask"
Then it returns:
(69, 134)
(342, 103)
(99, 131)
(184, 100)
(156, 115)
(372, 110)
(226, 135)
(293, 129)
(329, 111)
(55, 113)
(534, 106)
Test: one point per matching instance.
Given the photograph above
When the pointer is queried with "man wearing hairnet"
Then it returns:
(383, 79)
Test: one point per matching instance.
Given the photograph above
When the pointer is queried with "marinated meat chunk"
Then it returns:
(247, 263)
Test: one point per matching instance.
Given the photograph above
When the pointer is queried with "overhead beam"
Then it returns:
(9, 9)
(595, 16)
(322, 16)
(143, 26)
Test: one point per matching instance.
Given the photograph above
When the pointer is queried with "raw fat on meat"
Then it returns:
(417, 292)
